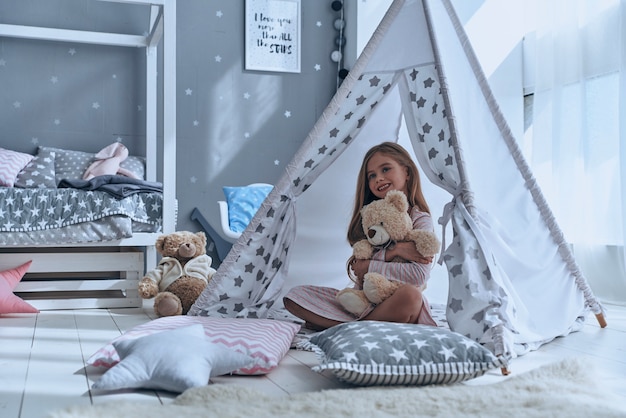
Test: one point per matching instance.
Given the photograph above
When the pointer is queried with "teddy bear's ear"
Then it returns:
(398, 199)
(202, 236)
(160, 243)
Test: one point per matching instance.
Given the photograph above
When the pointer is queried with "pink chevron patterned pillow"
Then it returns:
(265, 340)
(11, 163)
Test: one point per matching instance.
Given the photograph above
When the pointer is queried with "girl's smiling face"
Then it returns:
(384, 174)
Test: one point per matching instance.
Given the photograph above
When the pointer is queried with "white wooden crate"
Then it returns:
(75, 278)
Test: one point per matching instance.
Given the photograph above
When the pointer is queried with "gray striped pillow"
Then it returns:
(368, 353)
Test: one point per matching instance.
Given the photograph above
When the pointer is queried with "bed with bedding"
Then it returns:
(48, 202)
(72, 216)
(91, 238)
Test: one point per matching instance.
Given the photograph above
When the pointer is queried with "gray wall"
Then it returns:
(231, 123)
(69, 95)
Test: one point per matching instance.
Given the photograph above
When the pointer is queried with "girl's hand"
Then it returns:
(407, 251)
(359, 268)
(425, 260)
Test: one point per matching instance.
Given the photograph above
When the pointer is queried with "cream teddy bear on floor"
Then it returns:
(181, 275)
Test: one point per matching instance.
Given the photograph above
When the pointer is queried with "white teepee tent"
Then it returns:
(513, 283)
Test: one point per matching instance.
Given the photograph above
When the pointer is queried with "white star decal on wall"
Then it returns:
(276, 162)
(287, 114)
(246, 135)
(317, 67)
(54, 79)
(196, 123)
(246, 95)
(318, 24)
(72, 51)
(95, 105)
(218, 58)
(17, 105)
(188, 92)
(57, 121)
(193, 179)
(114, 76)
(219, 13)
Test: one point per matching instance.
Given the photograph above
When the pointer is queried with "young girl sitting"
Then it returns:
(385, 167)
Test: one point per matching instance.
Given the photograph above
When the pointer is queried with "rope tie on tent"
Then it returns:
(445, 218)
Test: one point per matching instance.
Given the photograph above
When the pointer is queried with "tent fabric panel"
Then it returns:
(489, 148)
(509, 267)
(403, 20)
(258, 276)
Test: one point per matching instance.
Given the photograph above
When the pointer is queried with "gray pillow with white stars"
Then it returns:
(39, 173)
(368, 353)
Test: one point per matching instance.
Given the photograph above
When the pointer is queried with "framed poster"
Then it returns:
(273, 35)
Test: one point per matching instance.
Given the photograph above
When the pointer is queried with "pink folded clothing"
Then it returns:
(108, 162)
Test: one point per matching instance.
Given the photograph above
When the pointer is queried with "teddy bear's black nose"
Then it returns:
(371, 233)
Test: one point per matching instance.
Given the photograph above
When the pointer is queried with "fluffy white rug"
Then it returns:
(564, 389)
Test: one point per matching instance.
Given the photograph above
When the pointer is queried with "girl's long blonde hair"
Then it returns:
(364, 196)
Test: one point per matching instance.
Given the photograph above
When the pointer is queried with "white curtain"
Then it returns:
(576, 144)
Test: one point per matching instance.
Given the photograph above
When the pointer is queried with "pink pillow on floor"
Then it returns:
(9, 302)
(265, 340)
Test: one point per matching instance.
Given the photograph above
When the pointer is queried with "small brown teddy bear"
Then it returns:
(181, 275)
(384, 221)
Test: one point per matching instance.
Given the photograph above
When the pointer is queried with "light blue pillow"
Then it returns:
(243, 203)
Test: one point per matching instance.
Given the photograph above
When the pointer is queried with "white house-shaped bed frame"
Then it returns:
(80, 273)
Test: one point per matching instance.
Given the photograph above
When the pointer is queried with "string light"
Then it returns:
(340, 41)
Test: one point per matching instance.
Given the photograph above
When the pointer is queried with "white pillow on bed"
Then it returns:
(11, 163)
